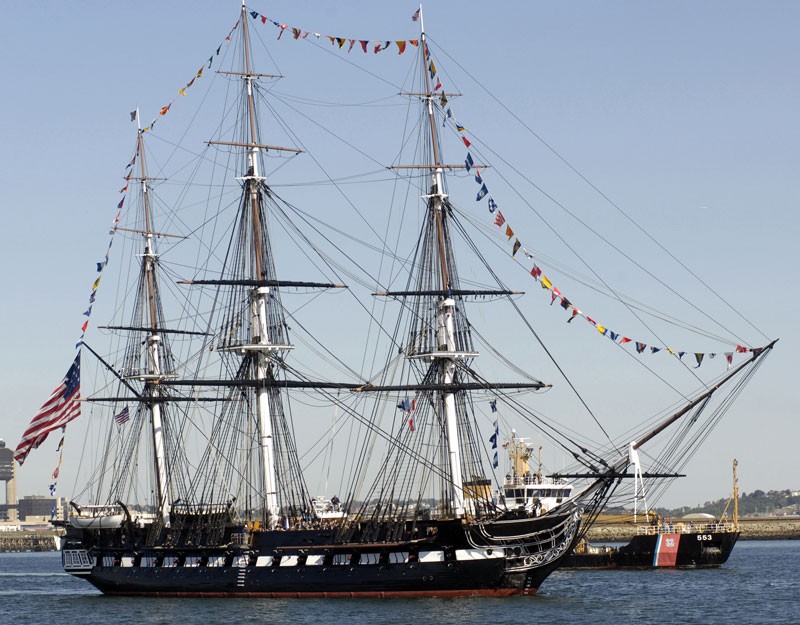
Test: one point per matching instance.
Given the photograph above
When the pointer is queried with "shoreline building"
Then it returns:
(9, 511)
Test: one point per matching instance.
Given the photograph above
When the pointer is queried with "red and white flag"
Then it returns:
(61, 407)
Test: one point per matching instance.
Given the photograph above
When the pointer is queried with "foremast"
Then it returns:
(447, 353)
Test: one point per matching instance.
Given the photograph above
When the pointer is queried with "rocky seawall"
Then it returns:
(27, 541)
(770, 528)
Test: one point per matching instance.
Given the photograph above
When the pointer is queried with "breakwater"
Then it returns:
(767, 528)
(28, 541)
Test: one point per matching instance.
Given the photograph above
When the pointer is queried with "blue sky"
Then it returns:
(684, 113)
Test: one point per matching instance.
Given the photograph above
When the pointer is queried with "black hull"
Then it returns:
(451, 562)
(687, 550)
(397, 580)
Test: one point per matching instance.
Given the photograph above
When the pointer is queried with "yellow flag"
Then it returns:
(546, 284)
(600, 329)
(182, 91)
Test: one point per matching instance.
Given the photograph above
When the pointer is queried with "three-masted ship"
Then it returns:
(235, 517)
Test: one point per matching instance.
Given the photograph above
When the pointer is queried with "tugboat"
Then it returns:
(689, 543)
(526, 492)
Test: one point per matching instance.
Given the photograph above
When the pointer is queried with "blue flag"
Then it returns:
(469, 162)
(481, 193)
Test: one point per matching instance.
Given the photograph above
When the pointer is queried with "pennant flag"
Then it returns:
(601, 329)
(469, 162)
(565, 303)
(296, 34)
(655, 350)
(536, 272)
(741, 349)
(401, 46)
(509, 232)
(729, 358)
(492, 205)
(415, 17)
(432, 69)
(52, 493)
(134, 114)
(478, 178)
(499, 220)
(164, 109)
(613, 336)
(481, 193)
(363, 45)
(443, 100)
(517, 245)
(340, 41)
(438, 85)
(123, 416)
(460, 128)
(575, 313)
(699, 359)
(640, 347)
(493, 437)
(411, 423)
(465, 140)
(121, 202)
(546, 284)
(60, 408)
(405, 405)
(495, 461)
(624, 340)
(60, 444)
(493, 405)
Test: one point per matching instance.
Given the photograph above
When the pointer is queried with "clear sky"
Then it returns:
(684, 113)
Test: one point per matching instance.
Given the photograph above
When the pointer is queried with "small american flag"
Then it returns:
(415, 17)
(61, 407)
(123, 417)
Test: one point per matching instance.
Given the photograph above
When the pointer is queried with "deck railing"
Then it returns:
(685, 528)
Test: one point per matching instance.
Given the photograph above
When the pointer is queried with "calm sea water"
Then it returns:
(759, 584)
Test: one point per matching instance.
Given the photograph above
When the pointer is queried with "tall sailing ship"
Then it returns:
(201, 489)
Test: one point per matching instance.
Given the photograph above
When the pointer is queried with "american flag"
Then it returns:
(60, 408)
(123, 417)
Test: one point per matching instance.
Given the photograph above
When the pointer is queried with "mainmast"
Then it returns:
(262, 344)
